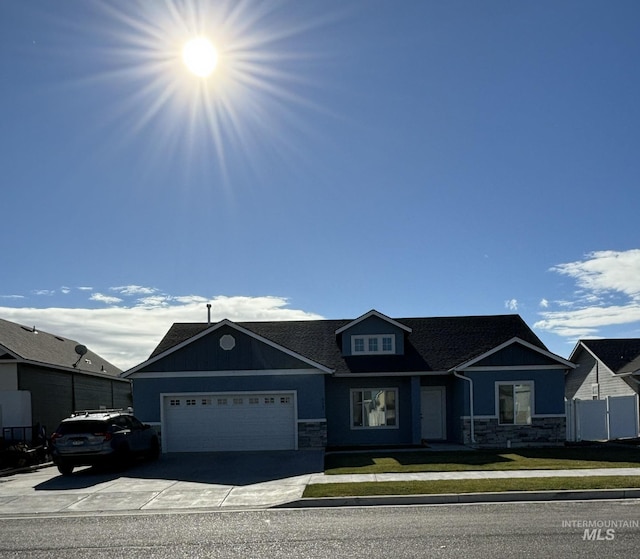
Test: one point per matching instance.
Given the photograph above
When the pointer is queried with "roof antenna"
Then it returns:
(208, 314)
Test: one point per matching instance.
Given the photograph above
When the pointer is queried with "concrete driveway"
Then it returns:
(223, 480)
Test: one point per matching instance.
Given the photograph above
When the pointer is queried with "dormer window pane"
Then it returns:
(372, 344)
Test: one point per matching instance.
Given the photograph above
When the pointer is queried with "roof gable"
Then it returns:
(619, 355)
(517, 352)
(204, 350)
(370, 314)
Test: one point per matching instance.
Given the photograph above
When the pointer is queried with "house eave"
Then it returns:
(228, 373)
(69, 369)
(393, 374)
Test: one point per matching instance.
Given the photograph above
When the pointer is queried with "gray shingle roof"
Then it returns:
(434, 344)
(620, 355)
(41, 347)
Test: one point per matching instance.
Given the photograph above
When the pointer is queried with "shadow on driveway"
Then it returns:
(218, 468)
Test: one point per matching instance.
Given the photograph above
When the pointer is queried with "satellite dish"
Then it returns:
(81, 349)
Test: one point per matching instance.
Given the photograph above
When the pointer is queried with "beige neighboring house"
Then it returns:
(45, 377)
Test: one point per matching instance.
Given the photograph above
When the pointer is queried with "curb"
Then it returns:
(464, 498)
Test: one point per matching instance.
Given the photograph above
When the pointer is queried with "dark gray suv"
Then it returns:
(96, 437)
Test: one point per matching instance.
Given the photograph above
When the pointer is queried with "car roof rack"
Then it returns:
(109, 410)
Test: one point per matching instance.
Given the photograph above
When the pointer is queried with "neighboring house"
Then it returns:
(372, 381)
(606, 367)
(45, 377)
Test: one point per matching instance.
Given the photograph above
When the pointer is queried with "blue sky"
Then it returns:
(421, 158)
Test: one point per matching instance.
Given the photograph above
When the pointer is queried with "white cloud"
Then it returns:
(511, 304)
(544, 303)
(608, 295)
(105, 299)
(134, 290)
(127, 336)
(85, 288)
(47, 292)
(65, 290)
(11, 296)
(606, 271)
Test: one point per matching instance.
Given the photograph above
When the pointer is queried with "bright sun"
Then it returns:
(200, 56)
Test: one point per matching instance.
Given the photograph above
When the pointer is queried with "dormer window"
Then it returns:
(373, 344)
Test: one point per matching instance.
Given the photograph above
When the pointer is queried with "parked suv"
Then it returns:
(96, 437)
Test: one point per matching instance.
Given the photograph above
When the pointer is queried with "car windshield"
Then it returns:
(75, 427)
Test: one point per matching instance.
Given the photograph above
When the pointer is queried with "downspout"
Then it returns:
(471, 420)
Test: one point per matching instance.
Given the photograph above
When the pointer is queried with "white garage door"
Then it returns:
(224, 422)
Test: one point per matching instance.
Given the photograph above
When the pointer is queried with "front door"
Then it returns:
(433, 412)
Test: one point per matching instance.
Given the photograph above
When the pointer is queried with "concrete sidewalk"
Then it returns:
(200, 483)
(486, 474)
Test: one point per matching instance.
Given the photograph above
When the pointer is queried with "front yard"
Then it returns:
(563, 458)
(560, 458)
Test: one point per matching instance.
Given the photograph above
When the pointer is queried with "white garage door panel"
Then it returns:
(223, 422)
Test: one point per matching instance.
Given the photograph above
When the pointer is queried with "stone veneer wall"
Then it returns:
(312, 434)
(542, 431)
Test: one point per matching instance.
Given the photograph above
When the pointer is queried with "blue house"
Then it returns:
(371, 381)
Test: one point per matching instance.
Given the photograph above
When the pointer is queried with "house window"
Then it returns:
(373, 344)
(191, 402)
(515, 403)
(374, 408)
(387, 344)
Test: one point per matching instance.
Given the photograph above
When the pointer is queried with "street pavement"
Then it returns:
(237, 481)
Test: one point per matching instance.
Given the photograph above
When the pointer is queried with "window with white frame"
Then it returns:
(374, 408)
(373, 344)
(515, 402)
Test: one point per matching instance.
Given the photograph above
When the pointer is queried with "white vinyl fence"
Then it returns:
(616, 417)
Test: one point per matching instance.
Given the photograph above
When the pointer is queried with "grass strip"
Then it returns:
(482, 460)
(469, 486)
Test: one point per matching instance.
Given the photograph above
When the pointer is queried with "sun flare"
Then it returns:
(200, 56)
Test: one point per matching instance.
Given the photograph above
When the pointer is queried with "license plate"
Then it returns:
(77, 443)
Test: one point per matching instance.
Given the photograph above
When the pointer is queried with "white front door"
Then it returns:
(433, 412)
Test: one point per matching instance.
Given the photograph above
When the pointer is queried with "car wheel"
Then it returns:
(65, 469)
(154, 450)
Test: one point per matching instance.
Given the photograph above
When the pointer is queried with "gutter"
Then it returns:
(470, 381)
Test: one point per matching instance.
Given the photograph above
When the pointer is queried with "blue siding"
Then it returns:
(205, 354)
(339, 429)
(548, 390)
(310, 389)
(515, 353)
(371, 326)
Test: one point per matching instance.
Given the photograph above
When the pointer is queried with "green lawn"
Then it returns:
(468, 486)
(511, 459)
